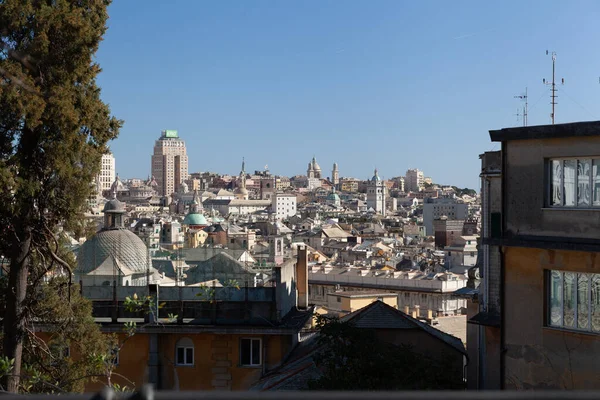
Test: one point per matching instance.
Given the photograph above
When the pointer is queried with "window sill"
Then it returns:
(250, 366)
(184, 365)
(570, 208)
(570, 330)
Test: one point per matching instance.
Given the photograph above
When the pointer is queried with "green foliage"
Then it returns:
(64, 357)
(355, 359)
(460, 192)
(206, 293)
(6, 365)
(54, 129)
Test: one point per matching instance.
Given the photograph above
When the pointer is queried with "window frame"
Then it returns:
(548, 302)
(549, 181)
(185, 346)
(260, 351)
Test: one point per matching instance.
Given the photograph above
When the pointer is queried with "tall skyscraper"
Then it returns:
(376, 194)
(169, 162)
(107, 172)
(414, 180)
(335, 174)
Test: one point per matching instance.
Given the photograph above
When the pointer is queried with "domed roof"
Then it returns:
(194, 219)
(333, 196)
(122, 244)
(114, 205)
(375, 177)
(315, 165)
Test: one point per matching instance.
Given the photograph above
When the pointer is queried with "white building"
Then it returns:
(169, 163)
(284, 205)
(376, 194)
(107, 171)
(313, 183)
(433, 291)
(436, 208)
(462, 252)
(414, 180)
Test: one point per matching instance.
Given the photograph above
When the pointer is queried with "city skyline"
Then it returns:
(395, 86)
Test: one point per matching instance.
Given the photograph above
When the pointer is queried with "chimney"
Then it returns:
(416, 313)
(407, 310)
(302, 277)
(429, 314)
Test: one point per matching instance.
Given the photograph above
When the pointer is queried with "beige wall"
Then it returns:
(540, 357)
(525, 181)
(216, 361)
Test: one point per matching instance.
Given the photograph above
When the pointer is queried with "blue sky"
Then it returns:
(386, 84)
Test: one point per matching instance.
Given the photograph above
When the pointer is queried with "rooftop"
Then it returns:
(574, 129)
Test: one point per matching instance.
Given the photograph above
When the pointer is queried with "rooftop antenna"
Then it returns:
(553, 89)
(518, 115)
(523, 97)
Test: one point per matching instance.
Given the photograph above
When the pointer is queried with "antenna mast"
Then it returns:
(524, 98)
(518, 114)
(553, 89)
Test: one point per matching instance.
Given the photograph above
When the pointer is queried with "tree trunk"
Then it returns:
(14, 322)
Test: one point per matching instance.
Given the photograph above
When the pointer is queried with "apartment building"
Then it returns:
(546, 229)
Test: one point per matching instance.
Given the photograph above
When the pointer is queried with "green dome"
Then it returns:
(194, 219)
(333, 197)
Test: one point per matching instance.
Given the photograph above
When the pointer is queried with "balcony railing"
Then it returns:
(147, 393)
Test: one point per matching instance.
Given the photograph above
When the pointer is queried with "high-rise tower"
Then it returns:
(169, 162)
(335, 174)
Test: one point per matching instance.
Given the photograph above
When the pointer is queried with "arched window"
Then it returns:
(184, 352)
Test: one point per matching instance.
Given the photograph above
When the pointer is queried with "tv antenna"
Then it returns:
(523, 97)
(553, 96)
(518, 115)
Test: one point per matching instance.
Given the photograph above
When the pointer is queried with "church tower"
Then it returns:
(376, 194)
(241, 192)
(335, 175)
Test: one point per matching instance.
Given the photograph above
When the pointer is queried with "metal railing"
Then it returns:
(147, 393)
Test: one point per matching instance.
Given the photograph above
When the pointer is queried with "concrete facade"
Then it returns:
(169, 163)
(552, 342)
(436, 208)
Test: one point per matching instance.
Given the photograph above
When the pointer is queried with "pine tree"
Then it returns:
(53, 130)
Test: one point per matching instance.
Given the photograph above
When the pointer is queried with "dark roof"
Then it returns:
(486, 319)
(204, 253)
(379, 315)
(214, 228)
(466, 292)
(298, 369)
(590, 128)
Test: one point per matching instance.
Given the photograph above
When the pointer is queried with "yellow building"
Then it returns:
(220, 337)
(342, 303)
(196, 360)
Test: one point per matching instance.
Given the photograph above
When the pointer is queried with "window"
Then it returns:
(185, 352)
(423, 296)
(250, 352)
(574, 300)
(338, 299)
(574, 183)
